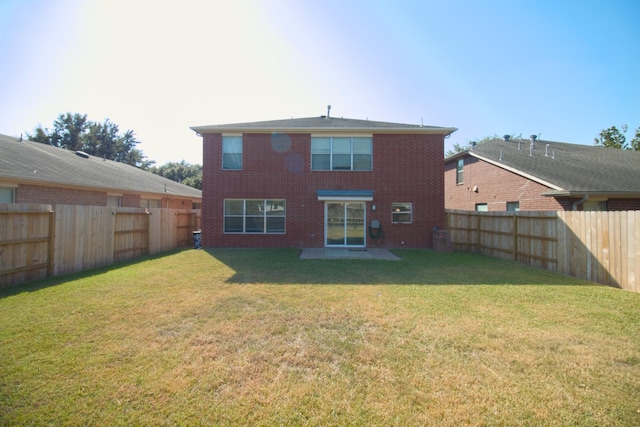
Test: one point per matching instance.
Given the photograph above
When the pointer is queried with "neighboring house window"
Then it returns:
(513, 206)
(150, 203)
(196, 205)
(401, 213)
(232, 152)
(114, 201)
(460, 171)
(7, 195)
(254, 216)
(589, 205)
(482, 207)
(343, 153)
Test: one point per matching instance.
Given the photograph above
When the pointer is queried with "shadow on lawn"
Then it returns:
(284, 267)
(417, 267)
(48, 282)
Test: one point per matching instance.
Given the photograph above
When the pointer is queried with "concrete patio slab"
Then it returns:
(346, 253)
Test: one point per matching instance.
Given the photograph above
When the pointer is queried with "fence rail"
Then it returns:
(602, 247)
(38, 242)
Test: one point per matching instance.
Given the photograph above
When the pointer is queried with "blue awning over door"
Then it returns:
(355, 195)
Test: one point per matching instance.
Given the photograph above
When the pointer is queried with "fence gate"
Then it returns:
(26, 246)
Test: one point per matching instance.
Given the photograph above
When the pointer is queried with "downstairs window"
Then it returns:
(251, 216)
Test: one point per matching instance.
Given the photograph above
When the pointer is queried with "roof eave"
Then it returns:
(445, 131)
(592, 193)
(115, 190)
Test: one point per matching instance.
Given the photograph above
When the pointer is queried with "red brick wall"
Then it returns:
(130, 201)
(61, 196)
(406, 168)
(67, 196)
(623, 204)
(495, 187)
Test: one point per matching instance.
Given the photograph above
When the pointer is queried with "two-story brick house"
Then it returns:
(322, 182)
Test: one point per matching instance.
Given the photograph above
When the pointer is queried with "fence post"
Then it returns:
(51, 243)
(515, 237)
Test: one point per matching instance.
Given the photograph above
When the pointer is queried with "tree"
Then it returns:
(181, 172)
(635, 142)
(74, 132)
(614, 138)
(458, 148)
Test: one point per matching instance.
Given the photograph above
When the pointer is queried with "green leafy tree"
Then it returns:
(74, 132)
(614, 138)
(182, 172)
(635, 142)
(458, 147)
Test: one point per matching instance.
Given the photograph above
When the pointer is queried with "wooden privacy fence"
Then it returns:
(37, 242)
(602, 247)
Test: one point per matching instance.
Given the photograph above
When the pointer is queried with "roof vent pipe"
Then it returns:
(506, 137)
(328, 111)
(531, 149)
(533, 138)
(546, 150)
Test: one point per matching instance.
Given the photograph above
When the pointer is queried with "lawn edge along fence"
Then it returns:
(37, 241)
(602, 247)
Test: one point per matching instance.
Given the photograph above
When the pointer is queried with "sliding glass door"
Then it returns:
(345, 224)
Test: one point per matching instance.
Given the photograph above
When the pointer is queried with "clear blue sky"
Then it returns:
(563, 69)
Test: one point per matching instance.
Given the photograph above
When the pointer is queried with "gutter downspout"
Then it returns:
(579, 202)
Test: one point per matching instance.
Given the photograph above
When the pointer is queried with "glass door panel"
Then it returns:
(354, 229)
(345, 224)
(335, 224)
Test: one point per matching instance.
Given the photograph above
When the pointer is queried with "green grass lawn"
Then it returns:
(260, 337)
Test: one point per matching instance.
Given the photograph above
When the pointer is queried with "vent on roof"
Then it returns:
(533, 138)
(506, 137)
(82, 154)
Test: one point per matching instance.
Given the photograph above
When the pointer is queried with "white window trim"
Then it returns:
(244, 216)
(410, 212)
(331, 137)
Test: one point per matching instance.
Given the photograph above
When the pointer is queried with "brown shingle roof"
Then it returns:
(28, 161)
(566, 168)
(322, 123)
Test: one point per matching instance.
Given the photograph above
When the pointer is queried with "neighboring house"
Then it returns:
(31, 172)
(322, 182)
(510, 175)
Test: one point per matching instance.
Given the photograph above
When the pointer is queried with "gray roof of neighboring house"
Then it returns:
(28, 161)
(323, 124)
(568, 169)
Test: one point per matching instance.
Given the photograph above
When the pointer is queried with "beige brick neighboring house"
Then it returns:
(504, 175)
(36, 173)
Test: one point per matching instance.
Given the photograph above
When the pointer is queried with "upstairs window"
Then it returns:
(460, 171)
(232, 152)
(341, 153)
